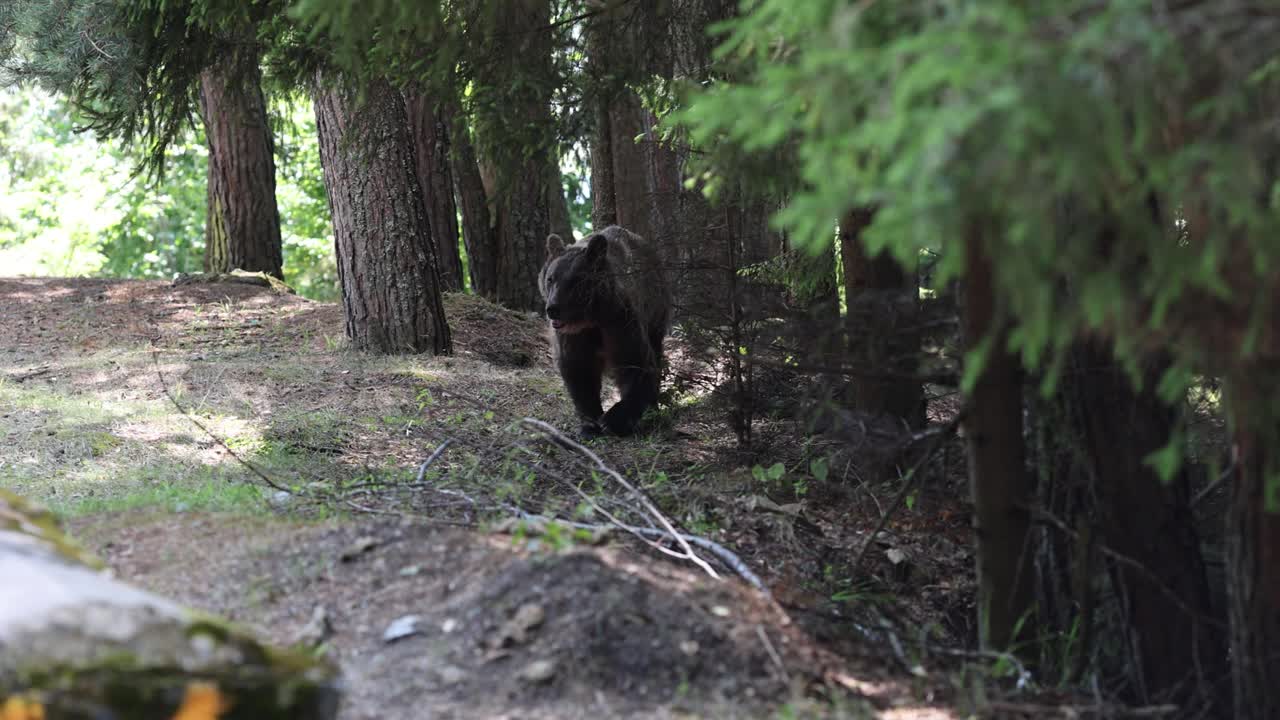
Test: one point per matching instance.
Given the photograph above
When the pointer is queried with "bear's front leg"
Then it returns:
(581, 369)
(637, 376)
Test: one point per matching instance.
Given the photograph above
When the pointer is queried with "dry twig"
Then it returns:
(687, 554)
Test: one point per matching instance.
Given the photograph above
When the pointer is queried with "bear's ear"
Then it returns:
(555, 246)
(597, 248)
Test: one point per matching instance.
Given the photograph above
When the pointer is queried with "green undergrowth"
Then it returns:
(207, 496)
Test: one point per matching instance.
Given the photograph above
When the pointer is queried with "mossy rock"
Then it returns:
(75, 643)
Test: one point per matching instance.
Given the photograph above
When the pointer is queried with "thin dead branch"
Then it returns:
(565, 441)
(723, 554)
(164, 386)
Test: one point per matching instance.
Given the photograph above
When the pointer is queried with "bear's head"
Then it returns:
(576, 283)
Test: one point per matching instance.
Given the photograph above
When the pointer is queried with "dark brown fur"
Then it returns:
(609, 310)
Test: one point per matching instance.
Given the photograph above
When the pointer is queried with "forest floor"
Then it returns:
(129, 406)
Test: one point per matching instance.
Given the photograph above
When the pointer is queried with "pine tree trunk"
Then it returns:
(634, 178)
(524, 221)
(430, 131)
(631, 181)
(558, 206)
(243, 223)
(604, 206)
(478, 232)
(386, 257)
(1145, 519)
(999, 482)
(700, 254)
(1253, 544)
(520, 145)
(883, 316)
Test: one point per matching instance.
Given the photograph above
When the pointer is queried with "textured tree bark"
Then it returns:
(699, 238)
(1116, 428)
(524, 221)
(999, 482)
(430, 130)
(635, 178)
(386, 257)
(478, 232)
(558, 206)
(519, 143)
(1253, 545)
(604, 207)
(243, 224)
(883, 317)
(632, 183)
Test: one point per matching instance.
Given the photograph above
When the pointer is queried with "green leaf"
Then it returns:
(818, 469)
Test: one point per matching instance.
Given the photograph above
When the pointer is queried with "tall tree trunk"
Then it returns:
(386, 258)
(524, 221)
(883, 317)
(999, 482)
(1253, 543)
(557, 205)
(430, 130)
(518, 142)
(243, 224)
(478, 232)
(604, 205)
(628, 189)
(701, 255)
(1166, 604)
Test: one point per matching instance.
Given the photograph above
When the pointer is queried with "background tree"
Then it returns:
(512, 98)
(478, 231)
(882, 321)
(429, 125)
(998, 477)
(243, 222)
(386, 256)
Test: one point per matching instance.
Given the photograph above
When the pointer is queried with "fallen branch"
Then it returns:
(653, 511)
(25, 376)
(422, 470)
(164, 386)
(722, 553)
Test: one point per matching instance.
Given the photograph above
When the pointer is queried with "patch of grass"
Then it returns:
(211, 495)
(300, 433)
(548, 385)
(69, 409)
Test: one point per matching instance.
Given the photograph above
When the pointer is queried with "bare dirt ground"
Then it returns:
(102, 384)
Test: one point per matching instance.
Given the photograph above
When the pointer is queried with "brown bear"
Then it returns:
(609, 309)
